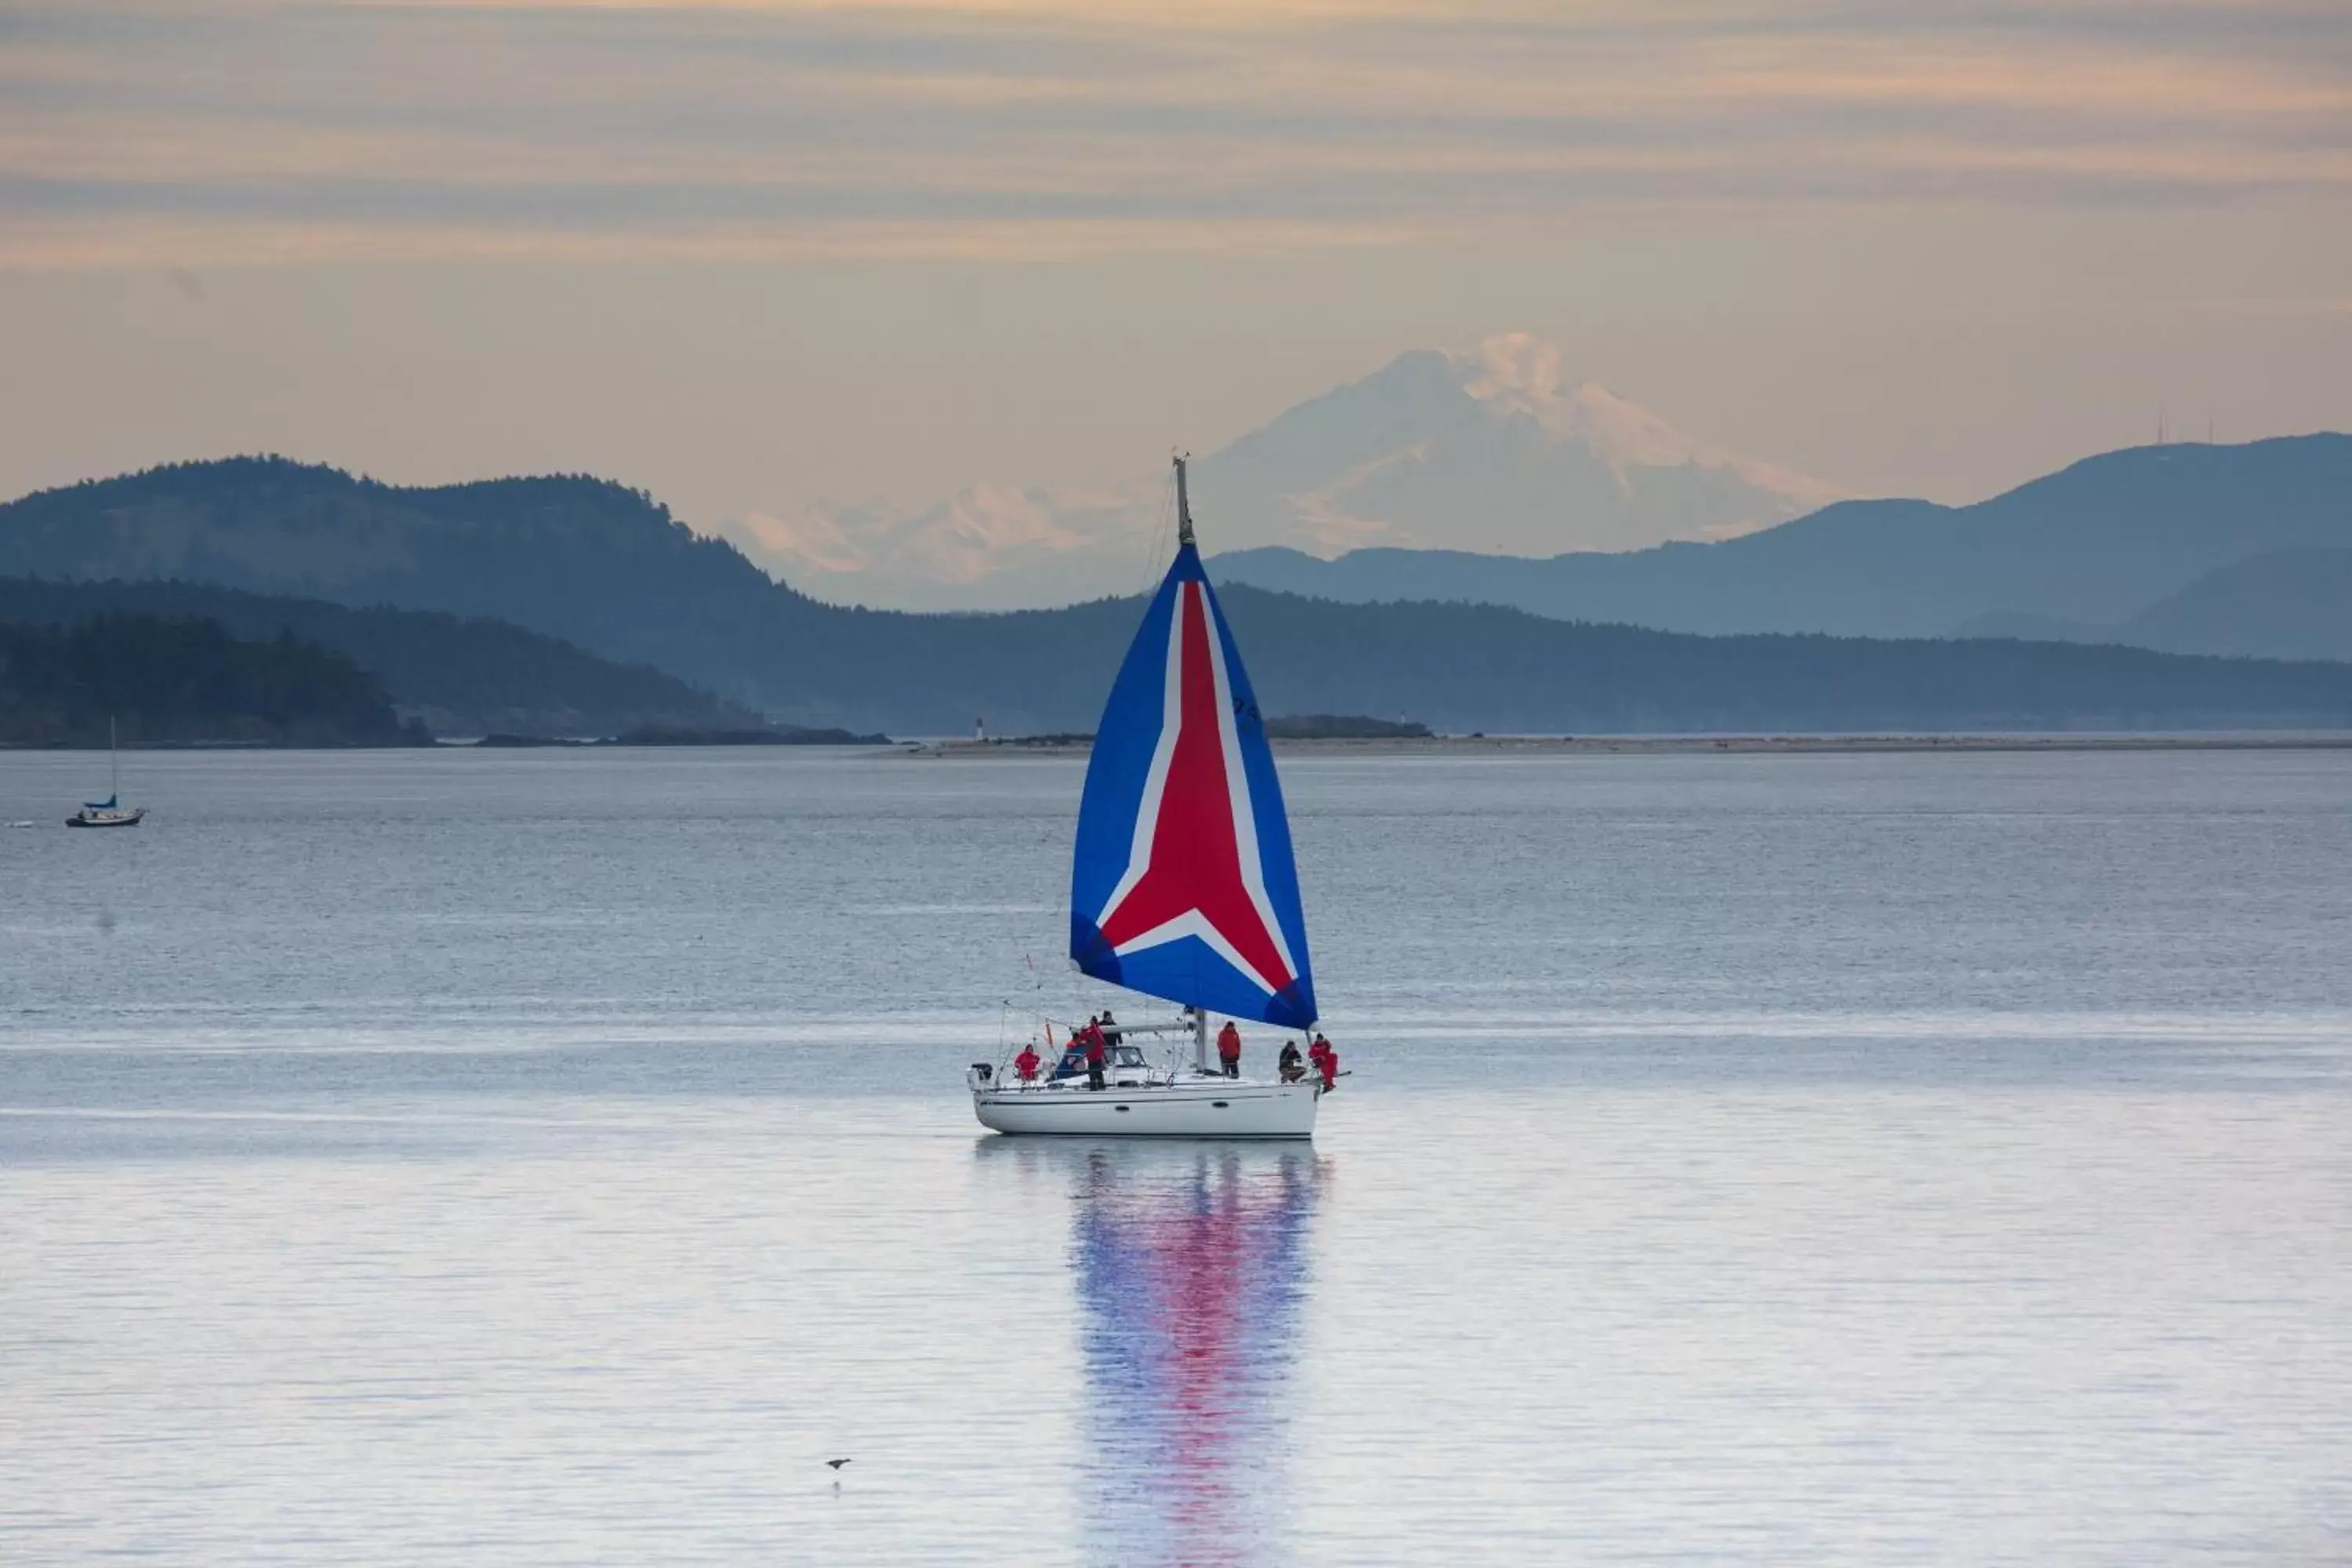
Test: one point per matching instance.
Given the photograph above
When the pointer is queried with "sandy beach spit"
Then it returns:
(1695, 745)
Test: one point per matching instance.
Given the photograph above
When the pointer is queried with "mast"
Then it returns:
(1184, 537)
(113, 763)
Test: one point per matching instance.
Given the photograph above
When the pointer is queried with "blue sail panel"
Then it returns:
(1183, 885)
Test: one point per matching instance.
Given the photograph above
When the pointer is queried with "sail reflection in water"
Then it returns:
(1190, 1266)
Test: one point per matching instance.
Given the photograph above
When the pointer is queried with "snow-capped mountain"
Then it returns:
(1489, 450)
(992, 546)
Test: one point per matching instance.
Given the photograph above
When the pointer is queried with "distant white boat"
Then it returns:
(1182, 888)
(109, 812)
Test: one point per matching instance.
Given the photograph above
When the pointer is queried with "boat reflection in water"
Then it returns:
(1191, 1267)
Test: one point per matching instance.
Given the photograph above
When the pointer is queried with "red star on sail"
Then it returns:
(1195, 848)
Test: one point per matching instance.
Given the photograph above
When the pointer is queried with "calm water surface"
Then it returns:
(553, 1158)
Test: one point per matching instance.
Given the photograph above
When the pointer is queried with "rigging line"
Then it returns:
(1016, 1007)
(1151, 553)
(1162, 529)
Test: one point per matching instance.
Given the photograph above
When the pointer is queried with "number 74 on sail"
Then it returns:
(1182, 888)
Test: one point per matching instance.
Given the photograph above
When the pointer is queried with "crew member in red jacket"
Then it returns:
(1326, 1059)
(1229, 1049)
(1098, 1053)
(1027, 1062)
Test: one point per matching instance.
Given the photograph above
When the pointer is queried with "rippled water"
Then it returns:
(556, 1157)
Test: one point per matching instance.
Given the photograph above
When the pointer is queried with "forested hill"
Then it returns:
(1472, 667)
(185, 680)
(459, 675)
(609, 570)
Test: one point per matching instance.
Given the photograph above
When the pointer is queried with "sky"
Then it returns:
(755, 255)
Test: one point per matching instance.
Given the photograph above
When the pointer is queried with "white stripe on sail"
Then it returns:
(1192, 923)
(1237, 791)
(1155, 781)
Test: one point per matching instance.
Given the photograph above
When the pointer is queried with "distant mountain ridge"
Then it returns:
(592, 563)
(609, 570)
(1492, 447)
(2097, 543)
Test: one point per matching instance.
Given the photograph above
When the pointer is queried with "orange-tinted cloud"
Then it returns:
(221, 130)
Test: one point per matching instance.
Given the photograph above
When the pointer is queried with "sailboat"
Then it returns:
(1181, 888)
(109, 812)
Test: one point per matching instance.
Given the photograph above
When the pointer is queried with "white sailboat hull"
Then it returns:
(1189, 1108)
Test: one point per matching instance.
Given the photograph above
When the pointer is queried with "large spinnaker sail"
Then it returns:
(1182, 885)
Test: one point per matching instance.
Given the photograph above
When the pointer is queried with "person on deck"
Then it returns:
(1229, 1049)
(1109, 1028)
(1294, 1066)
(1074, 1055)
(1097, 1055)
(1327, 1061)
(1025, 1064)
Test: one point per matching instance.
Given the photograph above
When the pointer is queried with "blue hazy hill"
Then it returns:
(2287, 604)
(2095, 543)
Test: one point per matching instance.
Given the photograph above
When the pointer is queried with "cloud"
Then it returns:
(234, 131)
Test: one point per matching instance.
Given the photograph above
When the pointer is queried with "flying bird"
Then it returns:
(836, 1464)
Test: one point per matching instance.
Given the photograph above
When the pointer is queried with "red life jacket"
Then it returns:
(1094, 1045)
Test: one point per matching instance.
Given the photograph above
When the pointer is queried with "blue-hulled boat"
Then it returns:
(109, 812)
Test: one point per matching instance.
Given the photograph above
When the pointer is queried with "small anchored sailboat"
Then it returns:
(1181, 888)
(109, 812)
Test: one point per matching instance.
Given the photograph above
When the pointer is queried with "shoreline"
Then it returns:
(1388, 746)
(1700, 745)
